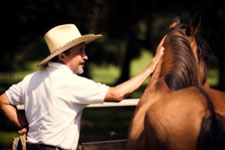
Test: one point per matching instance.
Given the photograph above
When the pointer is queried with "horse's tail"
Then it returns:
(212, 132)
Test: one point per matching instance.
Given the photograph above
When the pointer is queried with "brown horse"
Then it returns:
(178, 110)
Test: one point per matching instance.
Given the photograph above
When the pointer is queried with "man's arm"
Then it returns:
(117, 93)
(11, 112)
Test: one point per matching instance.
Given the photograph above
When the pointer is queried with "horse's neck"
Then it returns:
(157, 80)
(155, 75)
(161, 70)
(155, 88)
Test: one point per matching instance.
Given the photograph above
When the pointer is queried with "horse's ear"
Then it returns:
(194, 25)
(174, 22)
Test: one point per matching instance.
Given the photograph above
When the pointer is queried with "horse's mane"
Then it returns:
(203, 54)
(185, 67)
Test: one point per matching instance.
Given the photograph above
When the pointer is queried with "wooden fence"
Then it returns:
(125, 102)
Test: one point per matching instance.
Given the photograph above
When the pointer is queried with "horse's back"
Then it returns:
(175, 120)
(218, 100)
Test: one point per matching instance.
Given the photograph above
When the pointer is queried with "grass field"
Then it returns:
(6, 138)
(109, 74)
(109, 123)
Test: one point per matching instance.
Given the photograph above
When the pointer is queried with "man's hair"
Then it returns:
(56, 58)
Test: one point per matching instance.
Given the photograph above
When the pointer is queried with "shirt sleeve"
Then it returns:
(14, 94)
(85, 91)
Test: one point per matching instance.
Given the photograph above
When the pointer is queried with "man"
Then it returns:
(55, 96)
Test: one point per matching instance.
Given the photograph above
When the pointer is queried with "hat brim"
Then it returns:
(85, 38)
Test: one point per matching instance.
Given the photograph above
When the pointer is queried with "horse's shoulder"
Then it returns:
(189, 95)
(178, 103)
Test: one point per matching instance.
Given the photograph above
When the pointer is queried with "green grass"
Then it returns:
(213, 77)
(140, 63)
(107, 74)
(7, 138)
(12, 77)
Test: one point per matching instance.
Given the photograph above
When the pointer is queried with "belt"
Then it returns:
(30, 146)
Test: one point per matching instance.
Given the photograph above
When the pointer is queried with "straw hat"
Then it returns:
(63, 37)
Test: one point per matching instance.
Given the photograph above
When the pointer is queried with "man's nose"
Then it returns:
(85, 57)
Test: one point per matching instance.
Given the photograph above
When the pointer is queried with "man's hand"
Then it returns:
(23, 132)
(159, 52)
(151, 67)
(12, 113)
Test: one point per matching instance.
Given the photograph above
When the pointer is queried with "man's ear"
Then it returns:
(62, 58)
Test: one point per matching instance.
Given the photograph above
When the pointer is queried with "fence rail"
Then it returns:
(125, 102)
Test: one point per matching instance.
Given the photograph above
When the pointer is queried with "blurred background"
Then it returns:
(131, 32)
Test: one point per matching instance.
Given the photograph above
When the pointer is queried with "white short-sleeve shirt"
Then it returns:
(53, 100)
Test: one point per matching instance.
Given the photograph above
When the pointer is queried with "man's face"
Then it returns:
(76, 58)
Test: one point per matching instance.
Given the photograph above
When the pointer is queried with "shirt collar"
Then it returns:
(59, 66)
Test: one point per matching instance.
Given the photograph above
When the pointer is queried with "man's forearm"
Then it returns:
(134, 83)
(118, 92)
(11, 112)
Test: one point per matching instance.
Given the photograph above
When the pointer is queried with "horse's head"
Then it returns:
(184, 61)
